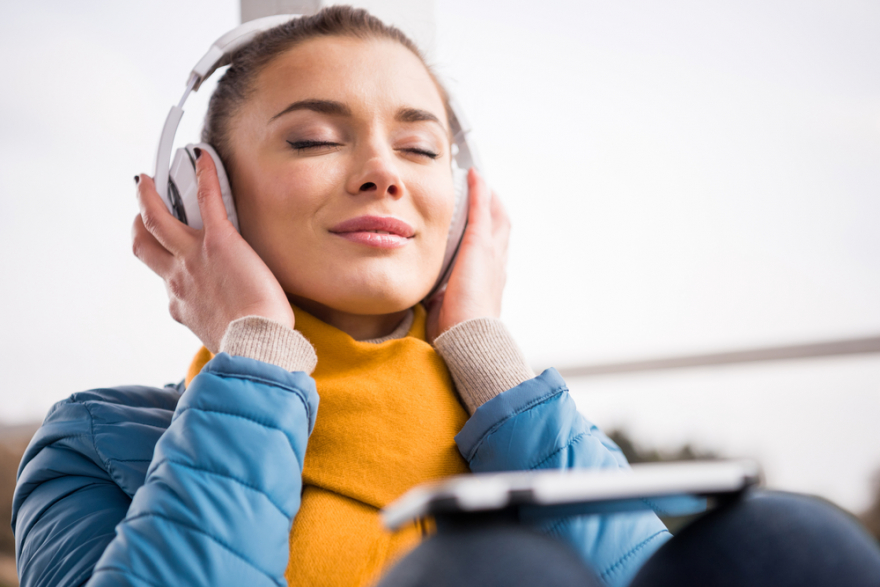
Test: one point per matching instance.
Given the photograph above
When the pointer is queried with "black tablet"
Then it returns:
(669, 488)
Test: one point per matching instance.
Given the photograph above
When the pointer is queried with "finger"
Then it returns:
(149, 250)
(168, 230)
(500, 219)
(479, 214)
(497, 209)
(210, 198)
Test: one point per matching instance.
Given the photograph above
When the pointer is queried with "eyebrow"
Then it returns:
(416, 115)
(339, 109)
(322, 106)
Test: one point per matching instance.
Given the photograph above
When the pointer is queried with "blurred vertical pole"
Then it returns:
(251, 9)
(413, 17)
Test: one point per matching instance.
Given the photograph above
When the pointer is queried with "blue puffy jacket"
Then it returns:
(151, 487)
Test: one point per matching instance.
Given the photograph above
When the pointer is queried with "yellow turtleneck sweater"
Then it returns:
(386, 422)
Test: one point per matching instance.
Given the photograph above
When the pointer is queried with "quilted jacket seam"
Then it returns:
(526, 407)
(206, 534)
(300, 393)
(127, 573)
(91, 435)
(105, 460)
(244, 484)
(83, 577)
(631, 552)
(246, 418)
(655, 506)
(556, 525)
(574, 439)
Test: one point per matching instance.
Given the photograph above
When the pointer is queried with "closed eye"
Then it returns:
(422, 152)
(305, 145)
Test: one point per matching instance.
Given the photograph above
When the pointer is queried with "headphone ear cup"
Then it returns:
(183, 186)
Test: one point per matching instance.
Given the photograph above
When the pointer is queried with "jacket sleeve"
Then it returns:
(215, 507)
(66, 503)
(536, 425)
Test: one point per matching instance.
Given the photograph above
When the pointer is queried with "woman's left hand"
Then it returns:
(480, 272)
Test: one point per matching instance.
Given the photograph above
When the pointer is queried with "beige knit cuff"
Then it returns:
(265, 340)
(483, 359)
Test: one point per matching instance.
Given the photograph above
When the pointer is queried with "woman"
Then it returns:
(336, 139)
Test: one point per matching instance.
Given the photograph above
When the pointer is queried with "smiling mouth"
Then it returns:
(375, 238)
(384, 232)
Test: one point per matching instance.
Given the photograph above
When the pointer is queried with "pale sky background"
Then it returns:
(682, 177)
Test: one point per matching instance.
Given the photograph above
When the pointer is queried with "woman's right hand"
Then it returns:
(212, 276)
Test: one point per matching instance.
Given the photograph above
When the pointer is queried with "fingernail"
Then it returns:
(137, 179)
(197, 151)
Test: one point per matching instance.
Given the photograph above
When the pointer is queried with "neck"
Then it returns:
(357, 326)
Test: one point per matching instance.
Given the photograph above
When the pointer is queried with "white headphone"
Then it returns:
(177, 184)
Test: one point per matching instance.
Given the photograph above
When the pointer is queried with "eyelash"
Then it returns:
(304, 145)
(424, 153)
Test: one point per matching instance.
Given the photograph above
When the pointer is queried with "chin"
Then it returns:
(365, 295)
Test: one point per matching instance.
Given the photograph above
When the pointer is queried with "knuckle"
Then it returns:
(205, 185)
(212, 242)
(176, 287)
(188, 266)
(150, 222)
(174, 310)
(136, 237)
(485, 249)
(204, 190)
(209, 242)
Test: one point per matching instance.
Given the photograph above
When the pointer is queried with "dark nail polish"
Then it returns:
(137, 179)
(197, 151)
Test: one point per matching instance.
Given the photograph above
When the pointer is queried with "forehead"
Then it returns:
(372, 76)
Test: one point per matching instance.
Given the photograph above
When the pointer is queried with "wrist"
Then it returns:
(266, 340)
(457, 318)
(483, 359)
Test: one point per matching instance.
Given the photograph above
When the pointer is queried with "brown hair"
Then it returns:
(246, 63)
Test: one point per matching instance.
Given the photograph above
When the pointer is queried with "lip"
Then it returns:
(394, 232)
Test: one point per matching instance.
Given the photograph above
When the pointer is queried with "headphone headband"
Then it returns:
(218, 54)
(225, 46)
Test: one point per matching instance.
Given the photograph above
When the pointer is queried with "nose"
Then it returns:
(376, 174)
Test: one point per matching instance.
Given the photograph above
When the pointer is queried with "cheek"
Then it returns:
(278, 199)
(435, 200)
(437, 209)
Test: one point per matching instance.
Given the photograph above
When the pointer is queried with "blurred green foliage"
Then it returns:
(639, 454)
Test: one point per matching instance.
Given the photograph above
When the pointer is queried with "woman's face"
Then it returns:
(341, 174)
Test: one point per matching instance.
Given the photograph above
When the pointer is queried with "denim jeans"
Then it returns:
(763, 539)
